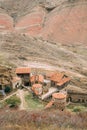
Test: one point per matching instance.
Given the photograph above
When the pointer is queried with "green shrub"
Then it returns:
(7, 89)
(76, 109)
(14, 101)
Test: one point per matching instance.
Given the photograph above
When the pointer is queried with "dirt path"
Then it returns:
(21, 95)
(8, 97)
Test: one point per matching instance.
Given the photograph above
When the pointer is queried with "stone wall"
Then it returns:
(77, 97)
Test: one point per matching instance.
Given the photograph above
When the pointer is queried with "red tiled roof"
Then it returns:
(39, 78)
(23, 70)
(35, 87)
(59, 95)
(60, 78)
(63, 81)
(49, 104)
(57, 77)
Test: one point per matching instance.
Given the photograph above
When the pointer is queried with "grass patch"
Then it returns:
(77, 108)
(33, 103)
(13, 101)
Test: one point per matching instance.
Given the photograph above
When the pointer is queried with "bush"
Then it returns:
(7, 89)
(14, 101)
(76, 109)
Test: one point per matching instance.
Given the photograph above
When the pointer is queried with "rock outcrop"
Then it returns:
(6, 75)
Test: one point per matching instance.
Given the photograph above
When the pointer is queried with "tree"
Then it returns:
(7, 89)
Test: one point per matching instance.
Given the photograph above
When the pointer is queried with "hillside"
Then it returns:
(22, 50)
(45, 34)
(63, 21)
(67, 23)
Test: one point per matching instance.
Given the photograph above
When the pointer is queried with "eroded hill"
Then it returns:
(63, 21)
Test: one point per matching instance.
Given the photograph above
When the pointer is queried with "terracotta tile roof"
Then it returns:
(59, 95)
(38, 78)
(23, 70)
(36, 86)
(35, 89)
(57, 77)
(15, 79)
(63, 81)
(49, 104)
(60, 78)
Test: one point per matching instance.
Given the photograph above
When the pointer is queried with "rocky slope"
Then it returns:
(67, 23)
(6, 75)
(52, 33)
(63, 21)
(21, 50)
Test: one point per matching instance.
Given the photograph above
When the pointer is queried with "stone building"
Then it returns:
(34, 79)
(37, 89)
(16, 82)
(24, 74)
(76, 94)
(77, 97)
(59, 100)
(59, 80)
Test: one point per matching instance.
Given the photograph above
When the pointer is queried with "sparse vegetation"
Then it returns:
(13, 101)
(77, 107)
(7, 89)
(43, 120)
(2, 105)
(33, 102)
(69, 18)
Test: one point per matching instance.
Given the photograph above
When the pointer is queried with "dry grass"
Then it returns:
(31, 127)
(42, 120)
